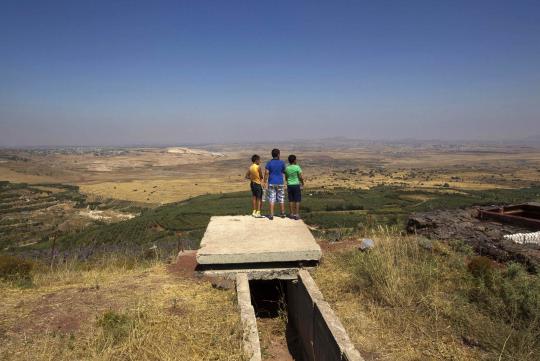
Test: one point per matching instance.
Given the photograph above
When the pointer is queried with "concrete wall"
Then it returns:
(252, 347)
(321, 334)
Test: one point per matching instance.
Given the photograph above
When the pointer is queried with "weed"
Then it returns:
(15, 269)
(115, 326)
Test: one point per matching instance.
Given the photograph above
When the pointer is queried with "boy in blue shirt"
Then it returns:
(273, 180)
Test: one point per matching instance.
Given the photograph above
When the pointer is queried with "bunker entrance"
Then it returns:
(279, 340)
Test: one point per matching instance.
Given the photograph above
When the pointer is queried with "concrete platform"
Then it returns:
(232, 240)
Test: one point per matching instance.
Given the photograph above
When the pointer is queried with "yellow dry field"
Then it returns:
(117, 313)
(163, 175)
(159, 191)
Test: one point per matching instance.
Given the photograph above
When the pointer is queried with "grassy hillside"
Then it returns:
(332, 212)
(31, 214)
(115, 309)
(411, 299)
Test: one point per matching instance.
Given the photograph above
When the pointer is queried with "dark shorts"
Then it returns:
(256, 190)
(294, 193)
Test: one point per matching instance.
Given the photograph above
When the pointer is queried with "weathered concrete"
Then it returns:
(252, 347)
(288, 273)
(245, 239)
(322, 335)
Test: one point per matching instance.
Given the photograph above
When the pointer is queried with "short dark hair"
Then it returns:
(275, 153)
(255, 157)
(292, 158)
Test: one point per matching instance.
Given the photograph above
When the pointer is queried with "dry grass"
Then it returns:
(403, 302)
(164, 190)
(116, 311)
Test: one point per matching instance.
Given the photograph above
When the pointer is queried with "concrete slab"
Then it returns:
(245, 239)
(276, 273)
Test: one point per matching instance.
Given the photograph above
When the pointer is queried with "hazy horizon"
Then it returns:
(125, 73)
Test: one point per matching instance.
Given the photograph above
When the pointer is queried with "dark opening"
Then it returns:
(279, 341)
(269, 298)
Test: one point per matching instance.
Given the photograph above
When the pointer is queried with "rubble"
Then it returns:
(484, 236)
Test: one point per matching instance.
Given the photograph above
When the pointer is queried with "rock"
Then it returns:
(485, 237)
(222, 283)
(366, 245)
(425, 243)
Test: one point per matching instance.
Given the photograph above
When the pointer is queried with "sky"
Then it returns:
(187, 72)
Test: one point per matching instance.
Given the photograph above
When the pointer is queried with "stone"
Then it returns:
(425, 243)
(245, 239)
(366, 244)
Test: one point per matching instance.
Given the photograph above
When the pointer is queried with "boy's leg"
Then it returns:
(271, 191)
(259, 203)
(297, 200)
(281, 199)
(254, 203)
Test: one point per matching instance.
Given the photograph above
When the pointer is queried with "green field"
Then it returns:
(182, 224)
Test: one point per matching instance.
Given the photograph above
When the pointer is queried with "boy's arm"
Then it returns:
(266, 174)
(260, 173)
(301, 178)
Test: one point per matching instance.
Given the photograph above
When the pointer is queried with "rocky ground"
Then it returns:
(486, 237)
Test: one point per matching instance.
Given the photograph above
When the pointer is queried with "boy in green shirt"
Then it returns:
(293, 175)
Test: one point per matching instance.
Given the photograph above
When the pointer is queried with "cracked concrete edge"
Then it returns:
(349, 352)
(252, 346)
(255, 274)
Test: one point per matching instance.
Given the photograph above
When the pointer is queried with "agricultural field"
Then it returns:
(332, 215)
(157, 176)
(40, 212)
(98, 229)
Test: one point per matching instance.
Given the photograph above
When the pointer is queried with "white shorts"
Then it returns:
(275, 193)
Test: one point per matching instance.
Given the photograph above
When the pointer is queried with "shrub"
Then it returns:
(482, 269)
(15, 268)
(115, 326)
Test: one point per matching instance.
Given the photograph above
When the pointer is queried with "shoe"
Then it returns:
(283, 215)
(258, 214)
(296, 217)
(254, 214)
(270, 217)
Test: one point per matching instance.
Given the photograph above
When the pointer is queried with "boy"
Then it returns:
(254, 174)
(293, 174)
(273, 179)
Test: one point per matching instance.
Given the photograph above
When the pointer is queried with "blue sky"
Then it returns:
(132, 72)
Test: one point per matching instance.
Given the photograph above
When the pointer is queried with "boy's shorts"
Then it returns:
(294, 193)
(276, 193)
(256, 190)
